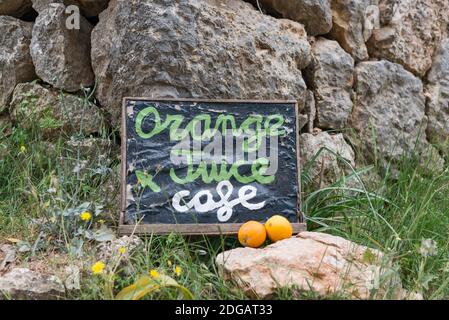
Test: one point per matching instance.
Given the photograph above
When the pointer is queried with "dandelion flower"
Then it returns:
(169, 263)
(98, 267)
(154, 274)
(86, 216)
(428, 248)
(122, 250)
(23, 149)
(178, 270)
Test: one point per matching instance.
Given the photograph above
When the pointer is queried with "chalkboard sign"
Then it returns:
(206, 167)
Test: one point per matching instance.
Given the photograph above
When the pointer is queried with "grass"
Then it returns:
(396, 216)
(45, 185)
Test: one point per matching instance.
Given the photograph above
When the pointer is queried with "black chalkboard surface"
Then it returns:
(206, 167)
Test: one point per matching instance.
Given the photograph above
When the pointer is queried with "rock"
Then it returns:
(310, 108)
(315, 15)
(41, 5)
(303, 119)
(388, 110)
(97, 158)
(72, 278)
(15, 8)
(194, 48)
(437, 92)
(307, 114)
(92, 147)
(24, 284)
(430, 160)
(322, 166)
(353, 22)
(312, 261)
(61, 55)
(410, 33)
(55, 113)
(88, 8)
(330, 75)
(16, 64)
(7, 255)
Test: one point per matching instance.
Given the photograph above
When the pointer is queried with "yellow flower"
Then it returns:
(98, 267)
(86, 216)
(169, 263)
(154, 274)
(23, 149)
(122, 250)
(178, 270)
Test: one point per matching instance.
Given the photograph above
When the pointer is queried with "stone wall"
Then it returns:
(379, 67)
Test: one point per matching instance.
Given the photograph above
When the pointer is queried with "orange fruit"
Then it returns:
(278, 228)
(252, 234)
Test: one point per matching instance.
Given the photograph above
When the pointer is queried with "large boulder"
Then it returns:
(437, 92)
(410, 32)
(315, 15)
(312, 261)
(16, 65)
(325, 157)
(193, 48)
(89, 8)
(24, 284)
(61, 55)
(15, 8)
(353, 24)
(330, 75)
(54, 112)
(389, 110)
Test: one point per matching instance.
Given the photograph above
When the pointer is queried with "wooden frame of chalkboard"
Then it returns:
(196, 229)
